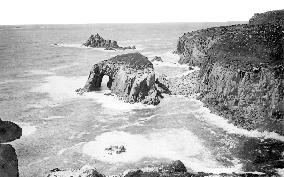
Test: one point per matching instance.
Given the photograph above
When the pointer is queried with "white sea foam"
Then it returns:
(80, 46)
(53, 117)
(206, 115)
(38, 72)
(61, 88)
(280, 172)
(171, 144)
(64, 66)
(27, 129)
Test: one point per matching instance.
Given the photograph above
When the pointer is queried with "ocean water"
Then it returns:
(64, 130)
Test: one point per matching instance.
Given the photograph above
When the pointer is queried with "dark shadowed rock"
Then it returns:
(131, 77)
(9, 131)
(8, 161)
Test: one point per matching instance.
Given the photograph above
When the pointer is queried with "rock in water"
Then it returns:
(97, 41)
(8, 161)
(9, 131)
(85, 171)
(131, 77)
(156, 58)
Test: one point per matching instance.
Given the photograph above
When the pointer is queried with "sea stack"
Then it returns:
(96, 41)
(131, 77)
(9, 131)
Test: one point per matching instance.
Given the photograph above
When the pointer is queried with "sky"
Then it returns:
(15, 12)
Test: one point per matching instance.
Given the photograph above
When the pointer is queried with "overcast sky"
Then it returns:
(130, 11)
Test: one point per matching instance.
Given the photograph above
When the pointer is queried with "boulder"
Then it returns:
(156, 58)
(9, 131)
(8, 161)
(131, 77)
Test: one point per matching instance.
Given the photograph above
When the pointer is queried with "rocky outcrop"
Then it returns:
(172, 169)
(8, 157)
(156, 58)
(131, 77)
(98, 42)
(241, 73)
(270, 17)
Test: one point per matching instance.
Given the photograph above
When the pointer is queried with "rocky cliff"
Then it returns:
(97, 41)
(131, 77)
(241, 72)
(270, 17)
(8, 157)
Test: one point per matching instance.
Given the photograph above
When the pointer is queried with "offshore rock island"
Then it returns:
(131, 77)
(96, 41)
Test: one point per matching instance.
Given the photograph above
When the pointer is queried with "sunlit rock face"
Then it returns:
(241, 71)
(9, 131)
(131, 77)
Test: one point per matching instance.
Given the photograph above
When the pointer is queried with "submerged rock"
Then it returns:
(85, 171)
(131, 77)
(115, 149)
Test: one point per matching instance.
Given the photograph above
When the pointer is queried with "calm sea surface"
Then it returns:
(64, 130)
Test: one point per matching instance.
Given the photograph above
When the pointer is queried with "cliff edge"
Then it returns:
(241, 73)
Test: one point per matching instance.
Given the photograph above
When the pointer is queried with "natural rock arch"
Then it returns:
(131, 77)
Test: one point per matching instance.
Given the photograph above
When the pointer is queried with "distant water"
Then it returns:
(64, 130)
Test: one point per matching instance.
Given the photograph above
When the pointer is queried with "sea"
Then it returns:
(41, 66)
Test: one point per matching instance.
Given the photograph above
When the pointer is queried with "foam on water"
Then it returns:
(27, 129)
(206, 115)
(172, 144)
(61, 88)
(53, 117)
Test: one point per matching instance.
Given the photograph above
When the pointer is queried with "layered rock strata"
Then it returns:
(131, 77)
(9, 131)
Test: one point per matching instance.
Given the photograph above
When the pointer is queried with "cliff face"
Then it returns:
(241, 72)
(8, 157)
(270, 17)
(131, 77)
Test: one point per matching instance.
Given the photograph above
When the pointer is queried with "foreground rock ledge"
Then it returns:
(131, 77)
(172, 169)
(9, 131)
